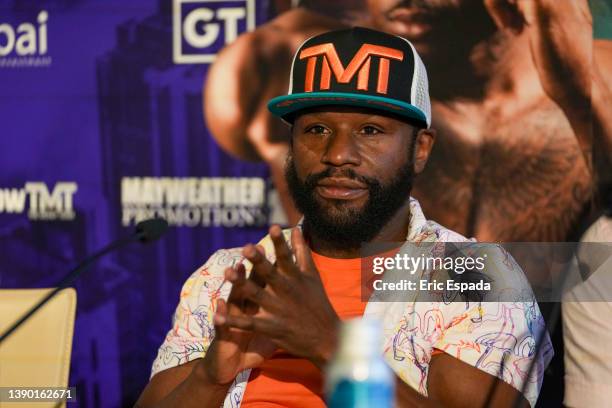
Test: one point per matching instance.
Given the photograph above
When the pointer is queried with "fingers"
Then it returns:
(237, 303)
(266, 273)
(237, 299)
(251, 323)
(219, 319)
(284, 255)
(302, 253)
(237, 273)
(262, 268)
(298, 245)
(255, 276)
(505, 14)
(250, 290)
(223, 321)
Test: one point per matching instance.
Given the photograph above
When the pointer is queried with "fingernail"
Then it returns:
(218, 319)
(275, 230)
(249, 251)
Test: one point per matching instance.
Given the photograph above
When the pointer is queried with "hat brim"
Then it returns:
(285, 105)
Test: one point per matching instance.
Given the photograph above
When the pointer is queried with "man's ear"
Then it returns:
(424, 142)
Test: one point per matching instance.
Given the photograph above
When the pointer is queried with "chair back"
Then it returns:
(38, 353)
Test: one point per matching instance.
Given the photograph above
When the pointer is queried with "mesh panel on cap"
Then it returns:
(420, 85)
(421, 91)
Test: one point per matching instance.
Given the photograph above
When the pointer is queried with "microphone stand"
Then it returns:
(143, 233)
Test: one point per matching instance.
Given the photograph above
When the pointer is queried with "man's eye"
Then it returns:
(370, 130)
(317, 129)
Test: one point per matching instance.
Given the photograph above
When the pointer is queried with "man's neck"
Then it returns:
(395, 230)
(494, 66)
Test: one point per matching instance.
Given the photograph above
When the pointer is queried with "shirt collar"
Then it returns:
(417, 221)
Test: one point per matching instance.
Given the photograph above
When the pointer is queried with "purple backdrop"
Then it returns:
(101, 123)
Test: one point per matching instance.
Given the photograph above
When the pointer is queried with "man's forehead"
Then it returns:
(338, 112)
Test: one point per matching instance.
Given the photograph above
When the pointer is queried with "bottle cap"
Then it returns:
(360, 337)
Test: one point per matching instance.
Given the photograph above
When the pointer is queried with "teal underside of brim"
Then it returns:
(286, 104)
(602, 18)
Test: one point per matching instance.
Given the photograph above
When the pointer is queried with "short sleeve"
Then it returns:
(192, 328)
(500, 339)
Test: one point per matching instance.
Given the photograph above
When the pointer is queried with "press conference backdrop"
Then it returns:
(101, 125)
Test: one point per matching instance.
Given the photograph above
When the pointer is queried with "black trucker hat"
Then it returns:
(357, 67)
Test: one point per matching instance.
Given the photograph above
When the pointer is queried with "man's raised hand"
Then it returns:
(234, 350)
(560, 37)
(294, 311)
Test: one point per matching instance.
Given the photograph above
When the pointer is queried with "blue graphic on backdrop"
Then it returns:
(104, 130)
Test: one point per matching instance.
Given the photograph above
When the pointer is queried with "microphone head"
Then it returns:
(150, 230)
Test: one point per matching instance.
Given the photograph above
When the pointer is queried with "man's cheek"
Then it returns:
(295, 167)
(305, 168)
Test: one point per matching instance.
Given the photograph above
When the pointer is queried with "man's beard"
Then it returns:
(345, 227)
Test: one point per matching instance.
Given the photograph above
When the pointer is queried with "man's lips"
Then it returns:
(409, 15)
(341, 188)
(417, 21)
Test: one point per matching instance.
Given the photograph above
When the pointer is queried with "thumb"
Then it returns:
(302, 253)
(219, 319)
(505, 15)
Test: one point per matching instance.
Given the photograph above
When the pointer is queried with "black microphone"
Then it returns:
(146, 231)
(150, 230)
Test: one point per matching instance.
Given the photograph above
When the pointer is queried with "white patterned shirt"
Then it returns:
(477, 333)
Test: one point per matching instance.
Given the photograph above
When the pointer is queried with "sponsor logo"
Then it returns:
(195, 202)
(26, 44)
(359, 64)
(200, 28)
(43, 204)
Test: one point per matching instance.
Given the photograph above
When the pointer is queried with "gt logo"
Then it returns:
(359, 64)
(201, 28)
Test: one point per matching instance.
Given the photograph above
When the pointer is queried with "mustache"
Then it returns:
(427, 5)
(423, 4)
(313, 179)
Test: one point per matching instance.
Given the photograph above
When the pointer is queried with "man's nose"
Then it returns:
(341, 149)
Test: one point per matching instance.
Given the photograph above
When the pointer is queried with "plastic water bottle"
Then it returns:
(358, 376)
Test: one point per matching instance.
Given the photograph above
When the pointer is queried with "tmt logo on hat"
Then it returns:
(360, 63)
(357, 67)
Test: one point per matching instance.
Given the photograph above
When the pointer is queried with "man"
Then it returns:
(517, 97)
(360, 130)
(587, 328)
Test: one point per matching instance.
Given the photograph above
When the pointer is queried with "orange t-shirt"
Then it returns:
(287, 381)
